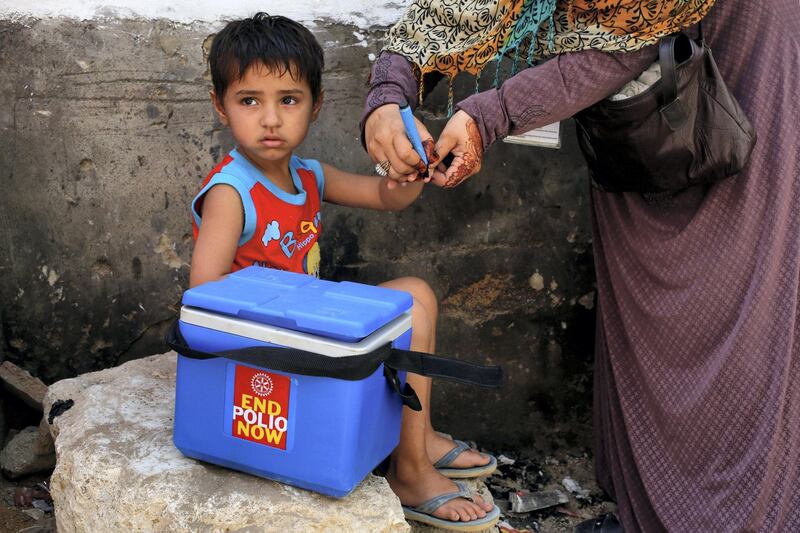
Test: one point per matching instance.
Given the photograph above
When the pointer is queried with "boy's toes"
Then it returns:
(461, 510)
(481, 504)
(466, 513)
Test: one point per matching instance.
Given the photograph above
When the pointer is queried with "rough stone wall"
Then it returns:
(106, 132)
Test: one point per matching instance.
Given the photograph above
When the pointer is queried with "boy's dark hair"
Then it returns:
(281, 44)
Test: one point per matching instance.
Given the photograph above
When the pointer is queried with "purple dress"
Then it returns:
(697, 374)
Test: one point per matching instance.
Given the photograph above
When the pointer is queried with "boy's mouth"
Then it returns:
(271, 141)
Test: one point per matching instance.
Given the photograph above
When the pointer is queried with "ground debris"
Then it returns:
(524, 501)
(532, 472)
(574, 488)
(31, 496)
(505, 527)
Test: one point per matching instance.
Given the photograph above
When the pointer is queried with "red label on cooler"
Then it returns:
(260, 406)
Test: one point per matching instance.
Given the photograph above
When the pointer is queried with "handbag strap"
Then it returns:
(669, 75)
(672, 109)
(666, 57)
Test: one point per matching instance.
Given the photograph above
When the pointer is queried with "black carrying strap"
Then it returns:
(352, 368)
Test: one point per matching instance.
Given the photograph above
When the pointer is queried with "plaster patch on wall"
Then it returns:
(536, 281)
(100, 344)
(50, 275)
(361, 13)
(475, 299)
(362, 39)
(166, 249)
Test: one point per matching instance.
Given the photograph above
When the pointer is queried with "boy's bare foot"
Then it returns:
(415, 484)
(437, 446)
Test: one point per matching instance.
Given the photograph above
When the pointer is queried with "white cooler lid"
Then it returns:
(296, 339)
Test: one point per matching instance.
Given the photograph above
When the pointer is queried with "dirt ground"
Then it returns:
(14, 519)
(535, 472)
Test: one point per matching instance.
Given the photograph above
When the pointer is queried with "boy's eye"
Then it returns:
(288, 100)
(249, 100)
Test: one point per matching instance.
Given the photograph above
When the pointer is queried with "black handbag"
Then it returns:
(686, 129)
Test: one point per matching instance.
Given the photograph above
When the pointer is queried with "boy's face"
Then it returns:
(268, 113)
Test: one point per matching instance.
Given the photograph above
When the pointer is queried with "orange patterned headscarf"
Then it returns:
(452, 36)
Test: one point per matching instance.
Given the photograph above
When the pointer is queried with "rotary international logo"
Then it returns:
(261, 384)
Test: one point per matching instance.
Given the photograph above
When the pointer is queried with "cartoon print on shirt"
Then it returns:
(312, 227)
(272, 232)
(288, 244)
(312, 260)
(308, 228)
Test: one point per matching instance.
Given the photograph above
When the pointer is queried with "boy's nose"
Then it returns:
(270, 118)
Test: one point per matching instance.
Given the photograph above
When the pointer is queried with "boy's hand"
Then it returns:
(386, 140)
(462, 139)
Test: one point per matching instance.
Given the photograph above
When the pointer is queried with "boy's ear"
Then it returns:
(218, 108)
(317, 105)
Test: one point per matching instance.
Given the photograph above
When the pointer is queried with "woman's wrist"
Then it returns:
(392, 82)
(486, 109)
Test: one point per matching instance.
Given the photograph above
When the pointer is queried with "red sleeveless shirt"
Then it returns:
(281, 230)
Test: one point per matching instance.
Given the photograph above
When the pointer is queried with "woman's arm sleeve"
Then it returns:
(553, 90)
(393, 82)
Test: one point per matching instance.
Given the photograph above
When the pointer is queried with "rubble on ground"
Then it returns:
(19, 456)
(21, 384)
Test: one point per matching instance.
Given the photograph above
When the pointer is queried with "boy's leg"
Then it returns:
(424, 340)
(411, 474)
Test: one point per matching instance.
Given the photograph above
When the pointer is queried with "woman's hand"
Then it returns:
(462, 138)
(386, 140)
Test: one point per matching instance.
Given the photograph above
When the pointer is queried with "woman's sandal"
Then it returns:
(444, 468)
(424, 512)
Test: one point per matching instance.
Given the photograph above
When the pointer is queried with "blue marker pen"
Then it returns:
(412, 133)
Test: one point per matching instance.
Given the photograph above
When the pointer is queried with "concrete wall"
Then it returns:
(106, 132)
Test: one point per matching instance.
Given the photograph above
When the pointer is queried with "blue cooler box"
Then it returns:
(318, 433)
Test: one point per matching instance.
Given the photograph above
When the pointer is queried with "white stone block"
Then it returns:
(118, 470)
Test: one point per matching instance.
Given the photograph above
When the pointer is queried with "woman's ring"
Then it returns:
(382, 168)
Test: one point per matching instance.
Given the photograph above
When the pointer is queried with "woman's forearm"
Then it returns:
(553, 91)
(534, 97)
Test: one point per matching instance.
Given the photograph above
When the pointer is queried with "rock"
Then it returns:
(118, 470)
(44, 440)
(20, 383)
(19, 456)
(36, 514)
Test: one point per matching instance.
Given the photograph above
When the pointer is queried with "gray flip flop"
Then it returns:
(423, 512)
(443, 464)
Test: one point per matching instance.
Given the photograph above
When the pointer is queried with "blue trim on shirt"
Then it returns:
(314, 166)
(223, 178)
(251, 171)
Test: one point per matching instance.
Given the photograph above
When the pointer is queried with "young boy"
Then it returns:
(261, 206)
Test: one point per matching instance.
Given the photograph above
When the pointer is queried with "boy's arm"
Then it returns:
(371, 192)
(220, 230)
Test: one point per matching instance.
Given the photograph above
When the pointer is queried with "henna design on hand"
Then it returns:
(471, 158)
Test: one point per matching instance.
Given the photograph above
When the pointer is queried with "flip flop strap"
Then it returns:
(431, 505)
(450, 456)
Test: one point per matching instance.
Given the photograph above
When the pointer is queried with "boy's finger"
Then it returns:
(438, 178)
